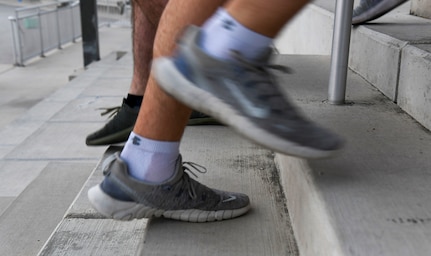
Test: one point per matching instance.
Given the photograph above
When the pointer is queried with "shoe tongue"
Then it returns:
(179, 172)
(265, 56)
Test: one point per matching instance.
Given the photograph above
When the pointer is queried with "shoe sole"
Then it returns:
(120, 210)
(203, 121)
(115, 138)
(376, 12)
(200, 100)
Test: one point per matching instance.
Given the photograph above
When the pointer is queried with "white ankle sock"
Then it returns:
(222, 34)
(150, 160)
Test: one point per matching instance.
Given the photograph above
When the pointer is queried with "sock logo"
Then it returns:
(228, 24)
(136, 141)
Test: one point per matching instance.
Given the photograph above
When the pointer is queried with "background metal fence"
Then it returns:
(113, 7)
(39, 29)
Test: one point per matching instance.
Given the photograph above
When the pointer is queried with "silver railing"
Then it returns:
(39, 29)
(113, 7)
(340, 51)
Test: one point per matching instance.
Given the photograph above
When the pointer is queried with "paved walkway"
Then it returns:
(23, 87)
(232, 164)
(33, 193)
(372, 199)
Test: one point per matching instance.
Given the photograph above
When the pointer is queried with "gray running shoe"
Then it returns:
(368, 10)
(243, 95)
(118, 129)
(122, 197)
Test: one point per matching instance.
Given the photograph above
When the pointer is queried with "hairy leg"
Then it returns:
(161, 117)
(145, 18)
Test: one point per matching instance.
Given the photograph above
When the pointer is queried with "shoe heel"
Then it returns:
(116, 209)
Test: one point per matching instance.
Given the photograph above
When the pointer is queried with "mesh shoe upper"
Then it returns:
(179, 193)
(117, 129)
(243, 94)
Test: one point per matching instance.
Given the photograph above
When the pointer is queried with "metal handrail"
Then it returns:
(43, 42)
(340, 52)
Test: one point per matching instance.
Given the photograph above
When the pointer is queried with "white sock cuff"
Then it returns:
(222, 33)
(220, 14)
(154, 145)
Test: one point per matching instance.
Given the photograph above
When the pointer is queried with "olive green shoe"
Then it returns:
(118, 129)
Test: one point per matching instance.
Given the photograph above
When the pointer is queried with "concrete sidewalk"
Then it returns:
(39, 178)
(232, 163)
(23, 87)
(364, 201)
(372, 199)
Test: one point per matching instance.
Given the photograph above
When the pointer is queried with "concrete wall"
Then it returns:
(414, 89)
(300, 35)
(392, 54)
(421, 8)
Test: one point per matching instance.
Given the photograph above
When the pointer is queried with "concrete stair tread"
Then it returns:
(360, 202)
(44, 160)
(236, 165)
(35, 212)
(372, 198)
(233, 164)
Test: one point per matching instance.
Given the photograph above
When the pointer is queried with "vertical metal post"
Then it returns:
(72, 23)
(340, 51)
(14, 39)
(40, 33)
(90, 31)
(58, 28)
(21, 54)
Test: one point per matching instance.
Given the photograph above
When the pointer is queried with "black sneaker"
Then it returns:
(243, 95)
(122, 197)
(118, 129)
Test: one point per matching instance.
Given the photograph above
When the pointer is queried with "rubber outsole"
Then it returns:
(118, 137)
(120, 210)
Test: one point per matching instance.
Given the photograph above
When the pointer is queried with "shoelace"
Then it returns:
(112, 111)
(261, 75)
(258, 67)
(191, 167)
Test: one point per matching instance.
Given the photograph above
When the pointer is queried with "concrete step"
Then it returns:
(44, 161)
(233, 164)
(393, 53)
(373, 197)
